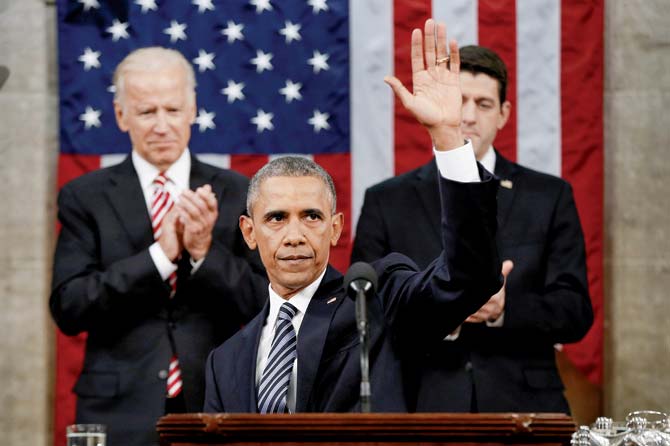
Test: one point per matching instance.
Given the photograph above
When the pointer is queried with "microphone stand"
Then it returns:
(363, 335)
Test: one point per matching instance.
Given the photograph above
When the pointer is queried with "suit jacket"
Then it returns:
(106, 284)
(409, 306)
(489, 369)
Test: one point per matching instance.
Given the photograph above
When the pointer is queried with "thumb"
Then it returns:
(399, 89)
(507, 267)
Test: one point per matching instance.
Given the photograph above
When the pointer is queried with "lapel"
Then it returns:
(426, 187)
(245, 364)
(313, 333)
(505, 170)
(202, 174)
(127, 199)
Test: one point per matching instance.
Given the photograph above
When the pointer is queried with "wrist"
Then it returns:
(446, 137)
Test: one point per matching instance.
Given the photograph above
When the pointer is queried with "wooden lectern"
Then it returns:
(365, 429)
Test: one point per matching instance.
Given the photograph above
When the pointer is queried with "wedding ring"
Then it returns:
(442, 60)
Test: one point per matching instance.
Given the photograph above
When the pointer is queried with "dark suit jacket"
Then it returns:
(488, 369)
(409, 305)
(106, 284)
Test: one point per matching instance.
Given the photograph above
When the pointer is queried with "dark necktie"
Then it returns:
(273, 385)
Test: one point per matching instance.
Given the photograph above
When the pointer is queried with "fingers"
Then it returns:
(429, 43)
(399, 89)
(507, 267)
(454, 56)
(441, 41)
(417, 51)
(198, 207)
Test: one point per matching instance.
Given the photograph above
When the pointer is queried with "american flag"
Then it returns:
(305, 77)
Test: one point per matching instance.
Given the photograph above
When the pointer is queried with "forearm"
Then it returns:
(90, 298)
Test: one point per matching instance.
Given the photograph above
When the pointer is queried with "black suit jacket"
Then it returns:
(106, 284)
(488, 369)
(410, 306)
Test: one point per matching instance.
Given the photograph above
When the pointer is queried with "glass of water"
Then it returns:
(86, 435)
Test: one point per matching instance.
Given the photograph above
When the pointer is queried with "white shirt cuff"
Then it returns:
(498, 322)
(458, 164)
(454, 334)
(163, 264)
(195, 264)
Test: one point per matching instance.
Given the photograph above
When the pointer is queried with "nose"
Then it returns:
(468, 112)
(294, 233)
(161, 124)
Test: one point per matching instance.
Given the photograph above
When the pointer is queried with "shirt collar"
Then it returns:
(489, 160)
(299, 300)
(178, 172)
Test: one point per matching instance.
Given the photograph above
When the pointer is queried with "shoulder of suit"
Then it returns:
(401, 181)
(228, 175)
(539, 179)
(95, 180)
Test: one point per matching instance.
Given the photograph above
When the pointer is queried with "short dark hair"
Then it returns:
(290, 166)
(479, 59)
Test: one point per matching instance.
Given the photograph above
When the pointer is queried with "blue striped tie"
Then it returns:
(273, 385)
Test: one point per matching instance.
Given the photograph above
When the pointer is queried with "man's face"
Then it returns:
(482, 112)
(293, 228)
(157, 111)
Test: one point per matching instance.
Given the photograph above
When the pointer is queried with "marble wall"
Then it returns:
(637, 224)
(28, 151)
(637, 207)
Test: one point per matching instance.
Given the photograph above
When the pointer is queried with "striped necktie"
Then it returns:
(161, 203)
(273, 385)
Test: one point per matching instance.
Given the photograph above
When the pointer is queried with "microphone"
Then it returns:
(361, 283)
(360, 277)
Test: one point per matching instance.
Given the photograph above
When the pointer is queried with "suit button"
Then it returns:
(162, 374)
(468, 366)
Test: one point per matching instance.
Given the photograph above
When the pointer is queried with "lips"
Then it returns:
(295, 257)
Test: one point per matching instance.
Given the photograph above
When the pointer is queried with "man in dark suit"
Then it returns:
(301, 354)
(128, 232)
(502, 358)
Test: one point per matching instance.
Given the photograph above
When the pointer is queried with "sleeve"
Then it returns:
(561, 308)
(234, 272)
(432, 303)
(85, 293)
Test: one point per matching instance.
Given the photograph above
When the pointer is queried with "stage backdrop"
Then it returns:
(305, 77)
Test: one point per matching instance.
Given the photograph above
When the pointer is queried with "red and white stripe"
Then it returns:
(161, 203)
(174, 381)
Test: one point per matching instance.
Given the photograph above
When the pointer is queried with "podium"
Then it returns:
(365, 429)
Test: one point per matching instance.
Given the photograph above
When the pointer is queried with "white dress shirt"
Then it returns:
(301, 301)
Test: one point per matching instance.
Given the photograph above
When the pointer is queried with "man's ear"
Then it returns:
(338, 225)
(120, 117)
(194, 110)
(505, 111)
(247, 228)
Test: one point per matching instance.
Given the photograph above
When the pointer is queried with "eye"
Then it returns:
(313, 216)
(485, 105)
(275, 217)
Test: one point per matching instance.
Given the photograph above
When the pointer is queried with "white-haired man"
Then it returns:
(149, 260)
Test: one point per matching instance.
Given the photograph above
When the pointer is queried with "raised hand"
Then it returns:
(198, 211)
(436, 99)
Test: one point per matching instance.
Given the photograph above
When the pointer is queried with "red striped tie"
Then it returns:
(161, 203)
